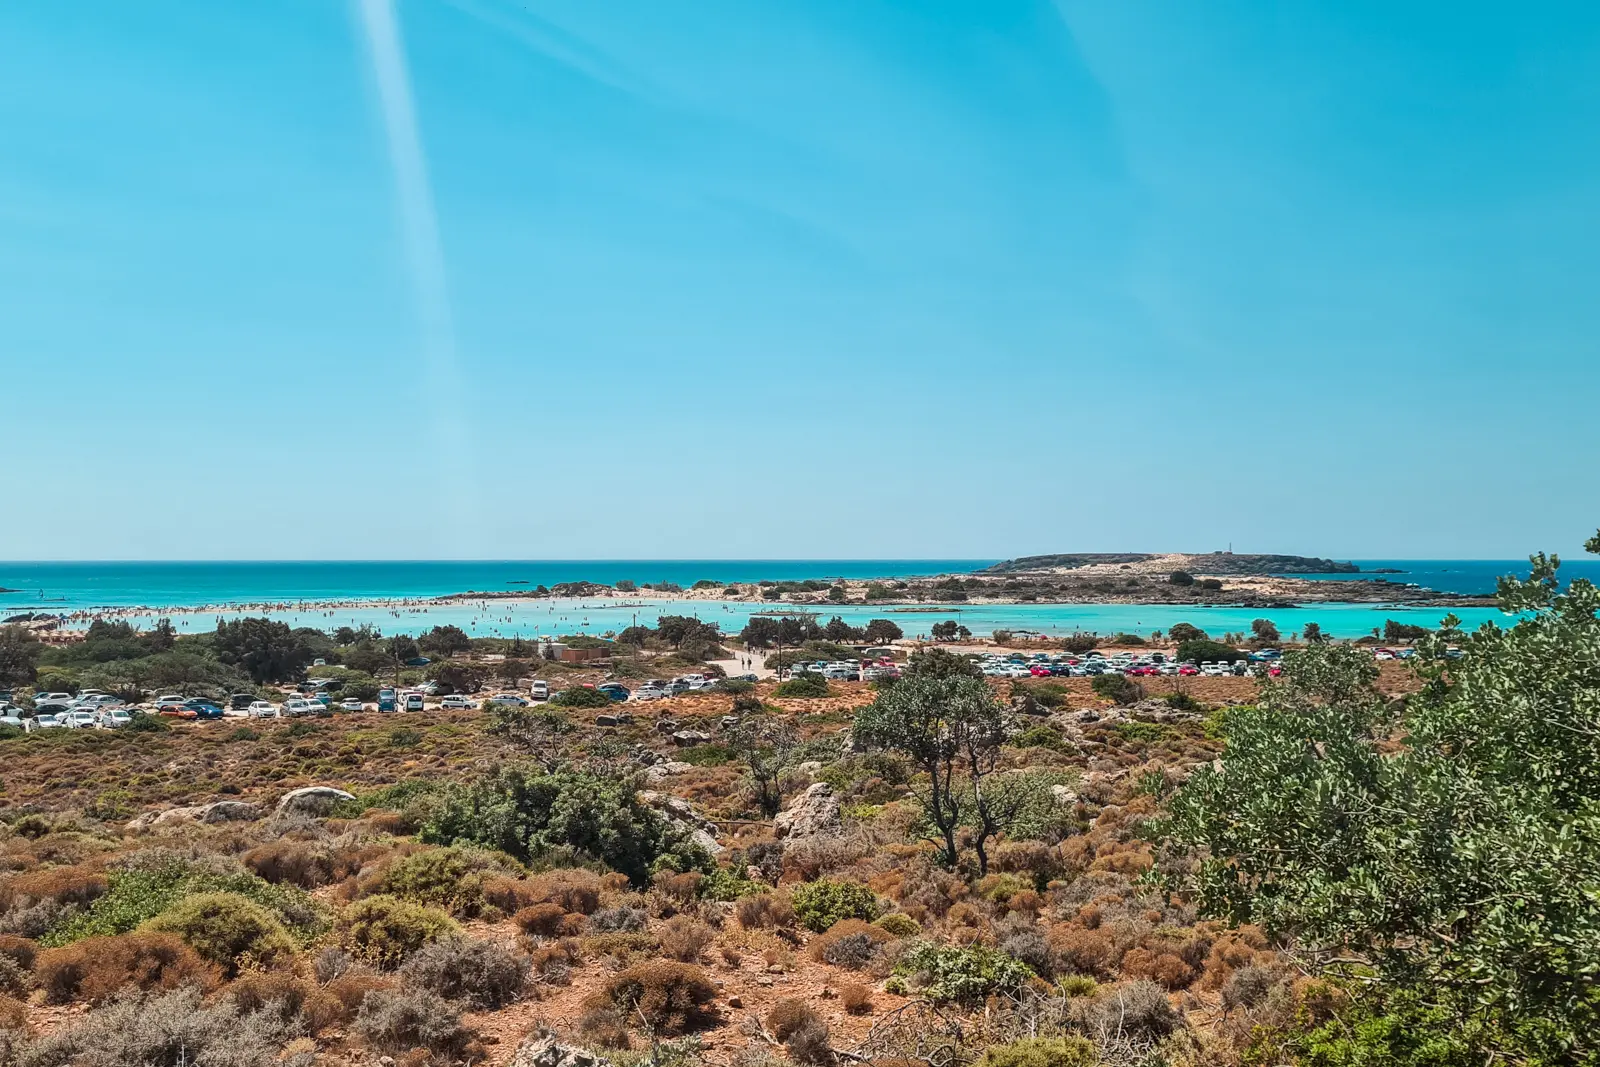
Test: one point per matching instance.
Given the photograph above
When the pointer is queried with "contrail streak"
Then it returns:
(419, 226)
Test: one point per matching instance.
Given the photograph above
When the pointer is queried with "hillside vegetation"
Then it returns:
(1339, 865)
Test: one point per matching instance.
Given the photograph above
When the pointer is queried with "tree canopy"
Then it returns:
(1447, 844)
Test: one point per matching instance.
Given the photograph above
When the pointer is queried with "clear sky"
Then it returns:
(834, 278)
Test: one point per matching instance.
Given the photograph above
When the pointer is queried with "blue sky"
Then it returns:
(840, 278)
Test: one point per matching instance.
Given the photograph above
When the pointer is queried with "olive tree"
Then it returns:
(1447, 845)
(951, 727)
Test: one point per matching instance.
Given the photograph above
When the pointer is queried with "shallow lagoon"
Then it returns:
(599, 616)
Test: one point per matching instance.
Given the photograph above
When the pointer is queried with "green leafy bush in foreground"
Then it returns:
(1041, 1052)
(527, 814)
(153, 881)
(1456, 869)
(820, 904)
(963, 975)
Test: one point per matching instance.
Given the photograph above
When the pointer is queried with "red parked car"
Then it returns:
(1188, 670)
(1039, 672)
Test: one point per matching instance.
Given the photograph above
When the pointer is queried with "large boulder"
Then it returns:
(546, 1051)
(814, 813)
(215, 812)
(312, 799)
(687, 738)
(655, 773)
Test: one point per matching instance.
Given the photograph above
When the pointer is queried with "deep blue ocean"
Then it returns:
(293, 588)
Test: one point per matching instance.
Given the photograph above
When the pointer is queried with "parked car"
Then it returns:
(350, 704)
(649, 692)
(386, 699)
(1188, 670)
(203, 708)
(44, 722)
(113, 718)
(410, 701)
(298, 706)
(263, 709)
(177, 711)
(508, 700)
(457, 701)
(240, 701)
(615, 690)
(540, 689)
(79, 719)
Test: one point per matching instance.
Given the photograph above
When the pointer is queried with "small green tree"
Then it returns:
(1446, 846)
(952, 728)
(883, 631)
(1264, 632)
(766, 744)
(19, 655)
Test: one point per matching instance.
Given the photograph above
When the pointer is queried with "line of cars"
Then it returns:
(1148, 664)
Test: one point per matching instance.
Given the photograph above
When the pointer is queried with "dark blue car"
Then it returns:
(203, 709)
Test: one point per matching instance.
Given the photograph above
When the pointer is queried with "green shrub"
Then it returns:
(712, 755)
(963, 975)
(1200, 650)
(578, 696)
(820, 904)
(1143, 731)
(150, 882)
(899, 924)
(806, 685)
(230, 930)
(385, 931)
(1041, 1052)
(528, 814)
(448, 878)
(723, 884)
(1043, 736)
(1118, 688)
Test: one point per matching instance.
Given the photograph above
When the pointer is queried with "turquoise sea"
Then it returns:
(294, 588)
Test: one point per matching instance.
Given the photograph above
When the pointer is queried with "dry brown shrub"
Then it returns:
(388, 822)
(603, 1026)
(765, 911)
(856, 998)
(290, 997)
(849, 943)
(680, 889)
(684, 939)
(1034, 858)
(615, 882)
(21, 950)
(510, 895)
(1233, 951)
(624, 948)
(810, 1045)
(551, 963)
(574, 889)
(63, 885)
(1131, 860)
(13, 1015)
(350, 989)
(811, 858)
(787, 1016)
(1089, 917)
(1083, 951)
(671, 998)
(299, 863)
(1163, 968)
(96, 968)
(541, 920)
